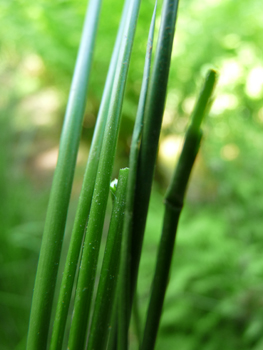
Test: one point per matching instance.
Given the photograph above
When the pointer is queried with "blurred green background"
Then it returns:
(215, 294)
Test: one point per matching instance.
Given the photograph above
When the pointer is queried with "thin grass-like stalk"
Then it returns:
(151, 131)
(137, 322)
(84, 200)
(173, 206)
(113, 336)
(89, 259)
(124, 300)
(61, 187)
(100, 324)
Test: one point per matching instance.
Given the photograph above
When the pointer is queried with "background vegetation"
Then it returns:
(215, 295)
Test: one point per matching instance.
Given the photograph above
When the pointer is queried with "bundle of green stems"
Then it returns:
(102, 321)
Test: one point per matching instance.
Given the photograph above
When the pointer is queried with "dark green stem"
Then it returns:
(124, 300)
(151, 131)
(173, 206)
(137, 318)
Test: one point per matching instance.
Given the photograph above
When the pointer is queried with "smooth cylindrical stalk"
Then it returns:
(84, 201)
(174, 199)
(173, 207)
(124, 299)
(151, 131)
(89, 259)
(61, 187)
(100, 324)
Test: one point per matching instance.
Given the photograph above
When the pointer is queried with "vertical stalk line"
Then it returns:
(89, 260)
(124, 302)
(112, 341)
(151, 131)
(165, 250)
(85, 200)
(173, 206)
(61, 187)
(100, 324)
(137, 322)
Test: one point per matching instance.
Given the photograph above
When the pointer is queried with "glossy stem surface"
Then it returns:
(102, 314)
(91, 247)
(173, 206)
(124, 300)
(61, 187)
(84, 201)
(151, 131)
(174, 199)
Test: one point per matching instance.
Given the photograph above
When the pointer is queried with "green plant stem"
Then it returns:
(113, 336)
(204, 101)
(84, 201)
(151, 131)
(165, 250)
(61, 187)
(137, 317)
(173, 206)
(98, 206)
(100, 324)
(124, 301)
